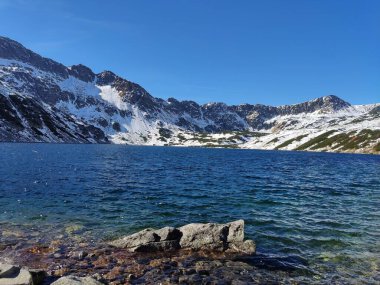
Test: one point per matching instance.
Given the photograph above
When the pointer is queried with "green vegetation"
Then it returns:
(165, 133)
(273, 141)
(116, 126)
(362, 139)
(181, 137)
(358, 120)
(246, 133)
(145, 139)
(351, 140)
(221, 146)
(377, 147)
(343, 141)
(326, 141)
(230, 139)
(288, 142)
(315, 140)
(203, 139)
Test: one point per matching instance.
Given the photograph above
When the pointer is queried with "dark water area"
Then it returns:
(318, 211)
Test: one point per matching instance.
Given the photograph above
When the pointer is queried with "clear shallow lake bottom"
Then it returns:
(323, 208)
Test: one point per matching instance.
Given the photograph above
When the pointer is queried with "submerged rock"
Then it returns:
(247, 247)
(72, 280)
(211, 236)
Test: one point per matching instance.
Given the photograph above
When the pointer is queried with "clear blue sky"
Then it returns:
(268, 51)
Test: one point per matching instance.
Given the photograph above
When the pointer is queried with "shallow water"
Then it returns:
(319, 207)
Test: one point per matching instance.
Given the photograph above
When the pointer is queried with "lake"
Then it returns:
(321, 207)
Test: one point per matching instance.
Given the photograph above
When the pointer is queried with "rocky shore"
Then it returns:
(191, 254)
(218, 237)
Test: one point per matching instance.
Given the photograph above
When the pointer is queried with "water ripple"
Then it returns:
(322, 208)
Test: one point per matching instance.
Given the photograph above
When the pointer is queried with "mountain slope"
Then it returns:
(24, 119)
(73, 104)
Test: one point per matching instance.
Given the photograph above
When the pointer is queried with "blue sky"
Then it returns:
(270, 52)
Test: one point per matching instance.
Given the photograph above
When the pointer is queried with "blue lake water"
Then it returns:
(322, 207)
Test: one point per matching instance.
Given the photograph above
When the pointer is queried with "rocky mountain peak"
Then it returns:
(10, 49)
(82, 72)
(106, 77)
(130, 92)
(215, 106)
(329, 103)
(335, 101)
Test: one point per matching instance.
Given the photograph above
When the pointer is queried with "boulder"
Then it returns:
(14, 275)
(211, 236)
(150, 240)
(72, 280)
(7, 270)
(204, 236)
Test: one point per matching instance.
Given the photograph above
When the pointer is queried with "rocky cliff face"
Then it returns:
(43, 100)
(24, 119)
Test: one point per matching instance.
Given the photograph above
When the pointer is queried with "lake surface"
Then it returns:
(321, 207)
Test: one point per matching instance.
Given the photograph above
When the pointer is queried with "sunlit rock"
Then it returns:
(196, 236)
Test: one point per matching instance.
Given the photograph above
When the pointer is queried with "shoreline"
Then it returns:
(192, 254)
(107, 264)
(201, 147)
(116, 266)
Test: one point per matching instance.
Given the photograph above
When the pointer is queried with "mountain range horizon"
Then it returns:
(89, 70)
(110, 107)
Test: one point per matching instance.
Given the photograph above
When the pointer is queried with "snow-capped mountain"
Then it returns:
(44, 101)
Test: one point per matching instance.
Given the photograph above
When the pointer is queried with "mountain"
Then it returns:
(44, 101)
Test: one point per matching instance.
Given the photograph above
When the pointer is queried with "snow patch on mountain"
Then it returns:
(79, 87)
(112, 96)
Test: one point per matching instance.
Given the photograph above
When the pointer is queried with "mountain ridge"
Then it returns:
(126, 113)
(11, 48)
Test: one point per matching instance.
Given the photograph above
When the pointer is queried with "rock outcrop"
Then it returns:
(219, 237)
(25, 119)
(150, 240)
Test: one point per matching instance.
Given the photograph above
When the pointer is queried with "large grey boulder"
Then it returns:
(204, 236)
(72, 280)
(211, 236)
(150, 240)
(14, 275)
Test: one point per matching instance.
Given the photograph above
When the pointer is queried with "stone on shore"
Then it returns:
(13, 275)
(150, 240)
(211, 236)
(7, 270)
(72, 280)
